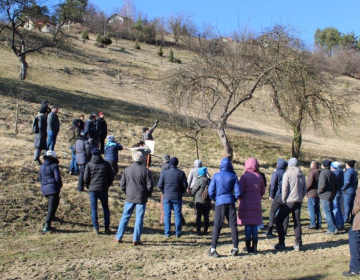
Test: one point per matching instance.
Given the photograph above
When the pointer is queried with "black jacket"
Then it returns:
(53, 123)
(172, 183)
(98, 175)
(40, 138)
(137, 183)
(327, 185)
(103, 127)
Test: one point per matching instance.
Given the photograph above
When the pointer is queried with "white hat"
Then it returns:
(51, 154)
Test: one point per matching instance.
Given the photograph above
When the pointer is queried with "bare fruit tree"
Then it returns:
(12, 21)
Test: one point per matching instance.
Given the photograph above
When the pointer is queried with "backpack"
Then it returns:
(205, 194)
(35, 125)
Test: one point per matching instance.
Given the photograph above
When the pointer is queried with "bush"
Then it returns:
(105, 40)
(160, 52)
(171, 56)
(85, 35)
(177, 60)
(137, 45)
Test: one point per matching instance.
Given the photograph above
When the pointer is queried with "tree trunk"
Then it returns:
(228, 151)
(296, 143)
(23, 68)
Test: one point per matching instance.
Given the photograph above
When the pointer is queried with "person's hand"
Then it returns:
(270, 198)
(188, 191)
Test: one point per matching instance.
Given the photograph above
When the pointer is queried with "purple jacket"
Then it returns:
(252, 188)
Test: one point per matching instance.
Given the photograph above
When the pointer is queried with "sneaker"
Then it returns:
(297, 247)
(234, 251)
(96, 231)
(331, 232)
(48, 229)
(117, 240)
(213, 254)
(350, 274)
(279, 246)
(107, 231)
(312, 227)
(178, 236)
(137, 243)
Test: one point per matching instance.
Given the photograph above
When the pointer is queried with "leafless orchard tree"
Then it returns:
(11, 21)
(178, 23)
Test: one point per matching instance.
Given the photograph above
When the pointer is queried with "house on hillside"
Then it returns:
(43, 25)
(116, 18)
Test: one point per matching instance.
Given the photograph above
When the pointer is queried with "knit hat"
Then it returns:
(326, 163)
(43, 110)
(166, 157)
(101, 114)
(91, 116)
(95, 152)
(75, 121)
(202, 171)
(351, 163)
(335, 164)
(111, 138)
(293, 162)
(51, 154)
(174, 161)
(145, 129)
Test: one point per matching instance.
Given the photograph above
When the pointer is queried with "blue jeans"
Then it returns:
(314, 212)
(73, 164)
(103, 196)
(139, 220)
(176, 205)
(327, 207)
(348, 205)
(51, 141)
(339, 218)
(251, 233)
(354, 244)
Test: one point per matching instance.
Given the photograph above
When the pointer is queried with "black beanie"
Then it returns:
(145, 129)
(174, 161)
(326, 163)
(91, 116)
(351, 163)
(43, 110)
(75, 121)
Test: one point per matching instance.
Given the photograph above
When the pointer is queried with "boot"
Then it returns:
(254, 246)
(248, 247)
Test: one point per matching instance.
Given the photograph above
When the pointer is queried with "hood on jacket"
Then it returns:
(197, 163)
(226, 165)
(39, 115)
(296, 170)
(251, 165)
(110, 143)
(97, 159)
(49, 160)
(281, 164)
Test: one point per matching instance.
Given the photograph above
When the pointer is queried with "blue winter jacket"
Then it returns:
(350, 181)
(277, 178)
(224, 184)
(111, 151)
(172, 183)
(339, 173)
(49, 176)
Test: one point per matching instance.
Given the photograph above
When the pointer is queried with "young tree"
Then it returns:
(328, 38)
(11, 13)
(177, 24)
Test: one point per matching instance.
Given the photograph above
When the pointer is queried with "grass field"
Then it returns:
(129, 92)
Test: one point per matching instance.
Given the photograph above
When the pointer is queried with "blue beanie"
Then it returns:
(335, 164)
(202, 171)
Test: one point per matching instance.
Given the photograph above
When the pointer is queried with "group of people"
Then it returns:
(329, 186)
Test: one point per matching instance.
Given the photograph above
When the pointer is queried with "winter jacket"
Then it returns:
(277, 178)
(327, 184)
(194, 173)
(147, 135)
(40, 138)
(339, 173)
(98, 175)
(74, 133)
(103, 127)
(293, 185)
(82, 150)
(252, 189)
(198, 188)
(137, 183)
(350, 181)
(356, 211)
(82, 125)
(97, 130)
(172, 183)
(145, 152)
(312, 182)
(224, 184)
(53, 123)
(165, 166)
(89, 127)
(50, 177)
(111, 151)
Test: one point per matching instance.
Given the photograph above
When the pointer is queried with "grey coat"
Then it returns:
(82, 151)
(40, 138)
(198, 188)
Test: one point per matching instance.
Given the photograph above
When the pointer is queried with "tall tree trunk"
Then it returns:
(23, 67)
(296, 142)
(228, 151)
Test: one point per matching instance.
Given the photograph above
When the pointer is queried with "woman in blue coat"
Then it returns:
(51, 184)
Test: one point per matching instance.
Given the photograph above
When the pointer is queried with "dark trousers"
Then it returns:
(354, 244)
(114, 166)
(202, 210)
(220, 212)
(275, 205)
(81, 177)
(103, 197)
(53, 204)
(102, 144)
(285, 210)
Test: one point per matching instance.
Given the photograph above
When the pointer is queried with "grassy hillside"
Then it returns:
(129, 92)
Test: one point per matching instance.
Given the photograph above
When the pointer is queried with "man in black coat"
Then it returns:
(40, 137)
(103, 130)
(138, 185)
(327, 186)
(98, 178)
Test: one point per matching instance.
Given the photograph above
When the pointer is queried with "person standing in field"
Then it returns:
(293, 193)
(339, 173)
(40, 137)
(312, 195)
(252, 189)
(137, 184)
(103, 130)
(224, 189)
(53, 128)
(193, 174)
(50, 179)
(81, 118)
(90, 128)
(82, 150)
(112, 149)
(147, 135)
(74, 132)
(145, 150)
(165, 165)
(349, 189)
